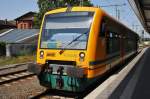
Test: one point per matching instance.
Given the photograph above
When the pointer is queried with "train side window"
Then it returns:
(113, 43)
(110, 34)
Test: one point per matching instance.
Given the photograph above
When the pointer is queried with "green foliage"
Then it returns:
(36, 23)
(87, 3)
(47, 5)
(2, 48)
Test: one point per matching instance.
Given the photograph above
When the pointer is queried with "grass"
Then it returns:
(16, 60)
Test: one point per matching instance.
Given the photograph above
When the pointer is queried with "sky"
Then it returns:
(127, 15)
(11, 9)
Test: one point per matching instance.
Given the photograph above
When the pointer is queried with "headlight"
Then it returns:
(82, 55)
(41, 54)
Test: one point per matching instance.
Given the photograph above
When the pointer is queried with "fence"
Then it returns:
(19, 49)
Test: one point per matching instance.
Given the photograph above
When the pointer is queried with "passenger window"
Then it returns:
(113, 43)
(110, 34)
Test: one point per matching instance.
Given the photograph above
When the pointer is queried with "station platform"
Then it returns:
(132, 82)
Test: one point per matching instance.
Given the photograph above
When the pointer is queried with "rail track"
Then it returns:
(13, 75)
(55, 94)
(10, 77)
(13, 66)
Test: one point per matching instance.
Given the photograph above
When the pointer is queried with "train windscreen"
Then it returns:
(67, 30)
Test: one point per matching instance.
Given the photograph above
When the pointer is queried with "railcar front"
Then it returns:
(77, 46)
(67, 42)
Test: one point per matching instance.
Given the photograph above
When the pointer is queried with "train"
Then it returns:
(77, 45)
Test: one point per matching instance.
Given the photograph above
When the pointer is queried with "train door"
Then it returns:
(103, 37)
(122, 48)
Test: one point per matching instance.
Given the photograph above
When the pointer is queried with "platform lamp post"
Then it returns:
(142, 35)
(8, 52)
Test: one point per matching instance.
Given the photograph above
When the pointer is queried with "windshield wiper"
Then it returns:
(63, 49)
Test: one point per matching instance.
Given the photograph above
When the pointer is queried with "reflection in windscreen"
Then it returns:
(58, 32)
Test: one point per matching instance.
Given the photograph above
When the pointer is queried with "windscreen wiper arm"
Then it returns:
(62, 50)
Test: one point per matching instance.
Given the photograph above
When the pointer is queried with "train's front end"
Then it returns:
(62, 59)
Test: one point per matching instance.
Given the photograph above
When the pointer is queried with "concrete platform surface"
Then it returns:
(132, 82)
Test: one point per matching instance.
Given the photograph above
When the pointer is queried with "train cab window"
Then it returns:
(75, 30)
(103, 28)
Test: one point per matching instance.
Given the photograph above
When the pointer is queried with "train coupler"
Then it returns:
(59, 79)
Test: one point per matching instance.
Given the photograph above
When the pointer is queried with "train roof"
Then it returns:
(91, 9)
(120, 23)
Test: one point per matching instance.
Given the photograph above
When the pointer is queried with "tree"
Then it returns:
(47, 5)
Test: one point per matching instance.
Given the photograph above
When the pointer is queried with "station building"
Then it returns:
(25, 21)
(22, 37)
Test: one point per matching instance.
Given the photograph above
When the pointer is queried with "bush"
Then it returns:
(2, 49)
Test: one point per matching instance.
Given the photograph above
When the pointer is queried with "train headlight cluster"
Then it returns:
(82, 56)
(41, 54)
